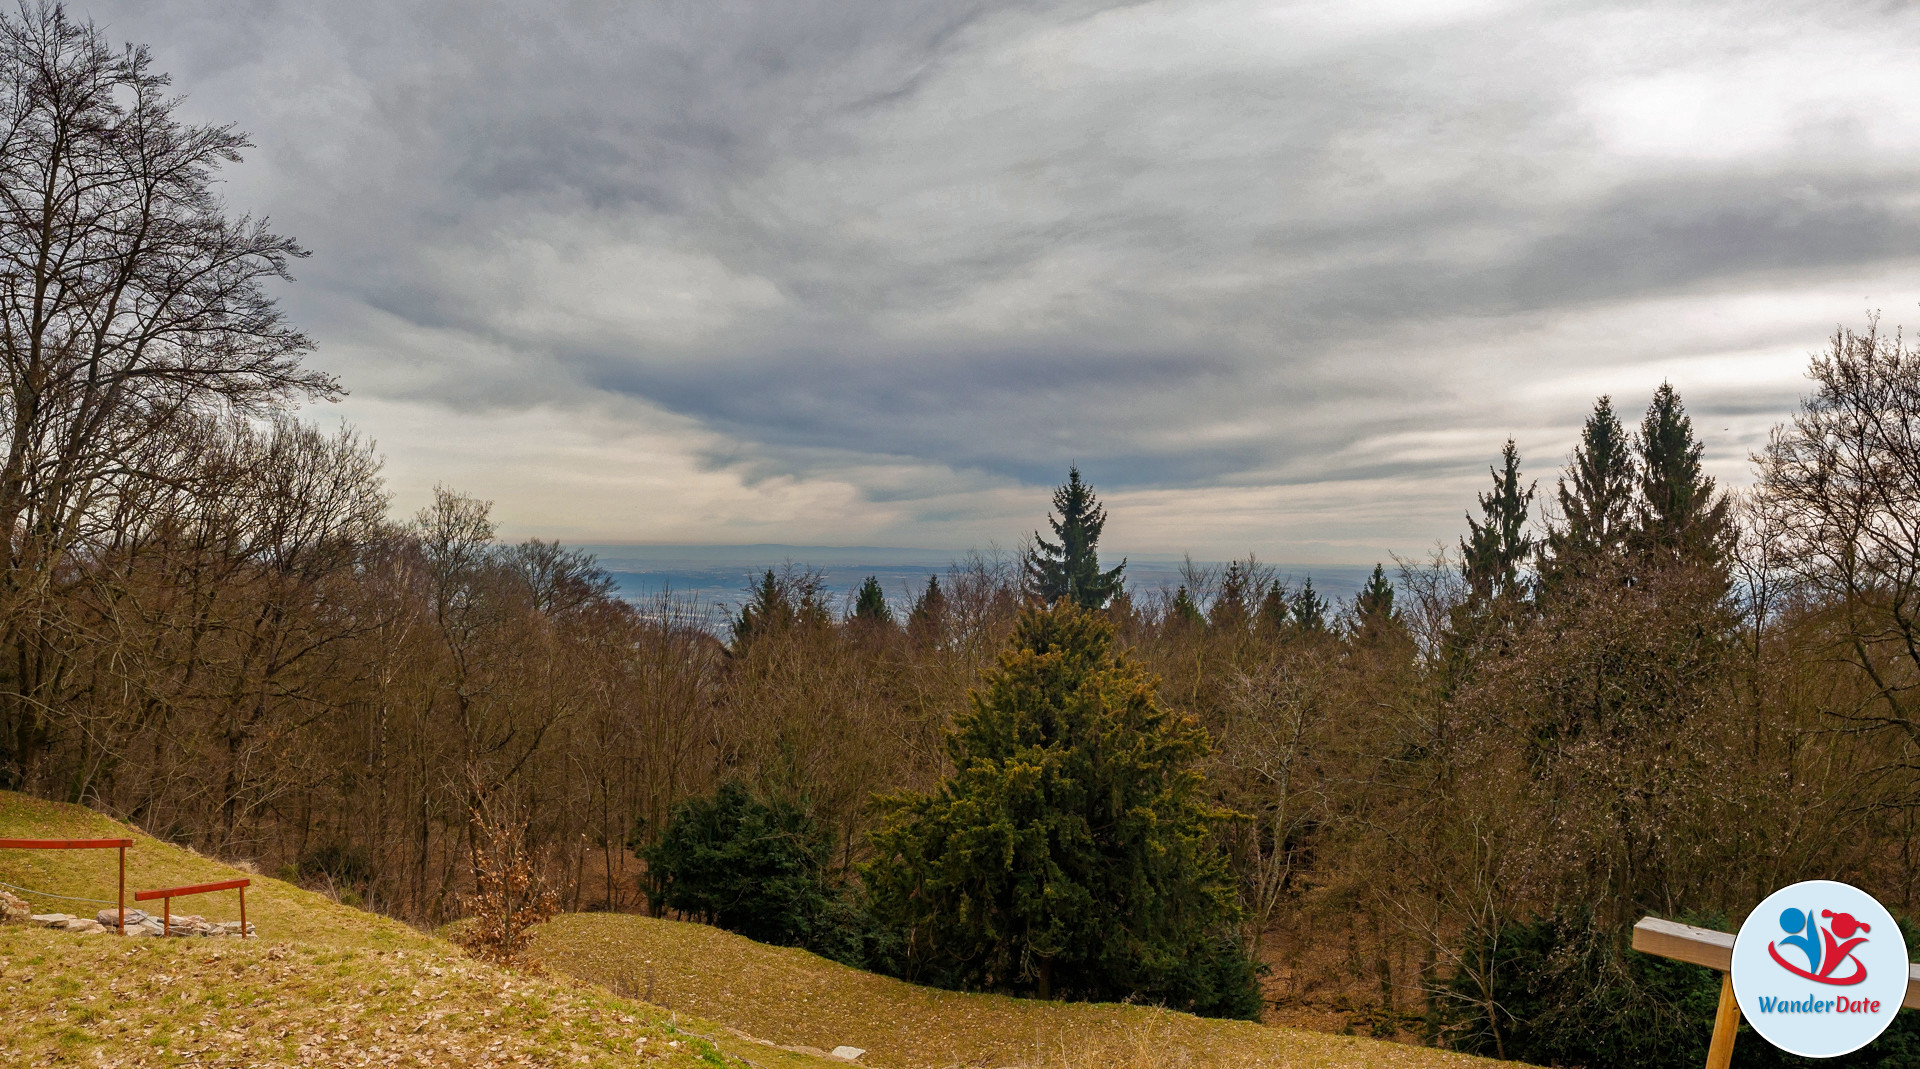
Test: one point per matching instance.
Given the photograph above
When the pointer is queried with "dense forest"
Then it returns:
(1630, 692)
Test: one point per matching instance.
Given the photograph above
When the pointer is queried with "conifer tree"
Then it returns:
(768, 608)
(1373, 605)
(1232, 606)
(1498, 541)
(1680, 516)
(1070, 568)
(1275, 613)
(1309, 609)
(929, 610)
(755, 866)
(1073, 852)
(870, 604)
(1185, 611)
(792, 598)
(1596, 497)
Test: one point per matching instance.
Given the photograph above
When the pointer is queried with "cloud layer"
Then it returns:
(1278, 276)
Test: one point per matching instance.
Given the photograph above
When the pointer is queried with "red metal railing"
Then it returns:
(82, 844)
(168, 894)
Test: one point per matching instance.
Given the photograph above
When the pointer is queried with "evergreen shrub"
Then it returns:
(758, 867)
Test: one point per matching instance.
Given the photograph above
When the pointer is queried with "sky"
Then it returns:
(1279, 277)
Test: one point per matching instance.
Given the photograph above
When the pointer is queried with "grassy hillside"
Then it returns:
(328, 985)
(324, 985)
(792, 997)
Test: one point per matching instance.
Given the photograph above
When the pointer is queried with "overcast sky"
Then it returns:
(1280, 277)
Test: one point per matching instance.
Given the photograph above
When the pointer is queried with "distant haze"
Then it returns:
(1280, 277)
(717, 577)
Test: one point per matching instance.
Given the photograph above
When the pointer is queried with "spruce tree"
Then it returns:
(793, 598)
(870, 604)
(929, 611)
(1596, 497)
(767, 609)
(1233, 605)
(1073, 852)
(1373, 606)
(1070, 568)
(1680, 517)
(1498, 541)
(1184, 611)
(1275, 613)
(1309, 609)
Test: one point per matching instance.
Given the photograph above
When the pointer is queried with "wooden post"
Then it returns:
(166, 913)
(1726, 1025)
(123, 891)
(243, 912)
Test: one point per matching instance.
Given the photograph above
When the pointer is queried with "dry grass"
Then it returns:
(278, 910)
(792, 997)
(325, 985)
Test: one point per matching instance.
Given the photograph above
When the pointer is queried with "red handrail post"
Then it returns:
(243, 911)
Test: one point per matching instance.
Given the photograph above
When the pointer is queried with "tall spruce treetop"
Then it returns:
(1309, 609)
(1596, 495)
(1679, 515)
(928, 610)
(1070, 568)
(1373, 605)
(1498, 542)
(870, 604)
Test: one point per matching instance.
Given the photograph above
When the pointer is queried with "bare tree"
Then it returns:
(129, 298)
(1840, 490)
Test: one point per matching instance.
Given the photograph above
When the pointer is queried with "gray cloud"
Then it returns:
(1196, 245)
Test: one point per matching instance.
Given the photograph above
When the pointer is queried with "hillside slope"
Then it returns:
(792, 997)
(324, 985)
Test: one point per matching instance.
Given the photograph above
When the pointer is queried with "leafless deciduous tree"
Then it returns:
(129, 299)
(1840, 499)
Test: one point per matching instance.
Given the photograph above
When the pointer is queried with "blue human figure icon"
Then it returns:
(1793, 920)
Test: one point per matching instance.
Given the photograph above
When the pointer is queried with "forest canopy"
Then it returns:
(1442, 802)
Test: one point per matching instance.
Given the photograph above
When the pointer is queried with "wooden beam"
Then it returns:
(1684, 942)
(195, 889)
(64, 844)
(1704, 946)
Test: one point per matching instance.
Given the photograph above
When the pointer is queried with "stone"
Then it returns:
(13, 907)
(851, 1054)
(142, 923)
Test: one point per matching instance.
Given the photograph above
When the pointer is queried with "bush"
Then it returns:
(758, 867)
(510, 894)
(1567, 994)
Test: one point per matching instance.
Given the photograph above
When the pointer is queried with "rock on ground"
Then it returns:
(141, 923)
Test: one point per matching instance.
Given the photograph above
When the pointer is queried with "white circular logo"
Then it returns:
(1819, 969)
